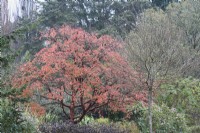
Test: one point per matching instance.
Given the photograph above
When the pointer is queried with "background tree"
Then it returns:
(162, 3)
(155, 47)
(81, 72)
(126, 15)
(4, 59)
(186, 15)
(56, 13)
(11, 119)
(106, 17)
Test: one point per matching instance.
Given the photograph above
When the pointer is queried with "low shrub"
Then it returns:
(67, 127)
(87, 120)
(105, 121)
(127, 125)
(11, 113)
(165, 119)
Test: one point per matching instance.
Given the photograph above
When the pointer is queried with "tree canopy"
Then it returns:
(81, 72)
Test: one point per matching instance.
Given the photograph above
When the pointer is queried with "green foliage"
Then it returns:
(36, 121)
(56, 13)
(49, 117)
(86, 120)
(168, 120)
(162, 3)
(123, 125)
(184, 96)
(140, 117)
(116, 116)
(89, 120)
(127, 125)
(7, 54)
(5, 57)
(105, 17)
(11, 119)
(28, 34)
(103, 121)
(165, 119)
(26, 57)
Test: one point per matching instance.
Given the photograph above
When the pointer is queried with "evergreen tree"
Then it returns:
(105, 17)
(10, 113)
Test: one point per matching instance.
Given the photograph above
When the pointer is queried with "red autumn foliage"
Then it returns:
(81, 71)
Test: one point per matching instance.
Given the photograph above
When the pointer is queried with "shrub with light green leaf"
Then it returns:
(165, 119)
(184, 95)
(105, 121)
(168, 120)
(123, 125)
(87, 120)
(127, 125)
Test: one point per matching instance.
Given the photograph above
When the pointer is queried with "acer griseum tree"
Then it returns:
(81, 72)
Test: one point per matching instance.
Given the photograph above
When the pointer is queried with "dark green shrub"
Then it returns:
(11, 119)
(116, 116)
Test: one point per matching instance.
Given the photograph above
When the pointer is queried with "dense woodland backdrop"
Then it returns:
(116, 66)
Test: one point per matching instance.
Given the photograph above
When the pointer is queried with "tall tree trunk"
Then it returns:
(150, 108)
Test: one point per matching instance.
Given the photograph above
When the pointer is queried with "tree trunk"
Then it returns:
(72, 109)
(71, 115)
(150, 108)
